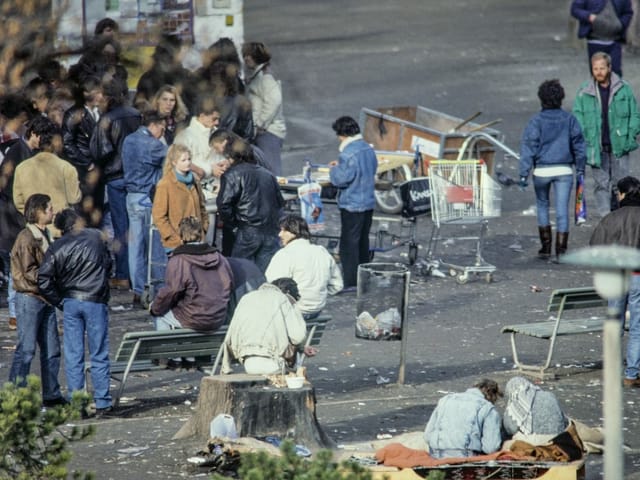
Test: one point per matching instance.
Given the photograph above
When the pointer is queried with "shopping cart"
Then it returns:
(463, 194)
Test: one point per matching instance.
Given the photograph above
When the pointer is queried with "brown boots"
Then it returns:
(545, 240)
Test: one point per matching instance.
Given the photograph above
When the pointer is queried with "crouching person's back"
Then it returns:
(465, 424)
(267, 328)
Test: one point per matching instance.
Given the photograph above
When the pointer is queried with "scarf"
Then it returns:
(520, 395)
(41, 237)
(186, 179)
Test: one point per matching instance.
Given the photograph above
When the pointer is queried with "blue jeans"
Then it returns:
(271, 146)
(37, 324)
(605, 180)
(632, 302)
(139, 221)
(120, 222)
(168, 322)
(92, 318)
(256, 245)
(6, 271)
(562, 186)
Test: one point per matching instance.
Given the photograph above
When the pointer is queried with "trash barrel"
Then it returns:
(383, 293)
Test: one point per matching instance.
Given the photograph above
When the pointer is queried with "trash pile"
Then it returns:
(384, 326)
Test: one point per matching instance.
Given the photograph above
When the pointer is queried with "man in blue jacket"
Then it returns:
(604, 24)
(143, 154)
(354, 175)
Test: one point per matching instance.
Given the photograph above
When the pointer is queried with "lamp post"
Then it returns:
(612, 265)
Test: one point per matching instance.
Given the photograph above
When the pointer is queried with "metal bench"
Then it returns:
(315, 331)
(138, 350)
(560, 301)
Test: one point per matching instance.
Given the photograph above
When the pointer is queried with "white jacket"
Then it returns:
(196, 138)
(263, 324)
(265, 94)
(312, 267)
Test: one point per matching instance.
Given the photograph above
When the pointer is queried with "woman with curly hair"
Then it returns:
(551, 144)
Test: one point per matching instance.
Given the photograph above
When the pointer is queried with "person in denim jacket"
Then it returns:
(552, 142)
(466, 424)
(354, 175)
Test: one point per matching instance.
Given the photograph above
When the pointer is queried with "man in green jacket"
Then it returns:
(610, 132)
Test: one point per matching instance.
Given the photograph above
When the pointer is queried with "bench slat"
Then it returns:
(567, 327)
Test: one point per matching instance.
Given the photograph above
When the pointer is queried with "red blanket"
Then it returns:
(397, 455)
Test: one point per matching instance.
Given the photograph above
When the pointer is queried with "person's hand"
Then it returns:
(333, 163)
(310, 351)
(219, 168)
(523, 183)
(592, 17)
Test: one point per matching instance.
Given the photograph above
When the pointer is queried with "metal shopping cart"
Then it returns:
(463, 194)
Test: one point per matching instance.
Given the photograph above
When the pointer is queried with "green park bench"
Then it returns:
(561, 301)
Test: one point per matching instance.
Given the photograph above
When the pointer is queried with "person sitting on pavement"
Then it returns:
(37, 324)
(178, 195)
(74, 276)
(198, 285)
(466, 424)
(250, 201)
(532, 414)
(311, 266)
(267, 329)
(622, 227)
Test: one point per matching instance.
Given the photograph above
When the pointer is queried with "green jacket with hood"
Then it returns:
(624, 119)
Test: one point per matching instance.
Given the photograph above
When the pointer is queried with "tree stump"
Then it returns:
(259, 410)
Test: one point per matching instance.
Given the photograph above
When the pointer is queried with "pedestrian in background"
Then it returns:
(551, 145)
(607, 111)
(604, 24)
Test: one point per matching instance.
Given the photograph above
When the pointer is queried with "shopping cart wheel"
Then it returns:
(145, 298)
(453, 272)
(488, 277)
(462, 278)
(413, 253)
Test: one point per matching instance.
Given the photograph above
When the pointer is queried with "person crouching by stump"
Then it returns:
(267, 330)
(198, 285)
(466, 424)
(551, 143)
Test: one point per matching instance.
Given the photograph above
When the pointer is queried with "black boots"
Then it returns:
(561, 243)
(545, 240)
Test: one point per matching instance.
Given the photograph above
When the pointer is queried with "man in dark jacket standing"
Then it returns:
(250, 201)
(604, 24)
(622, 227)
(106, 149)
(198, 285)
(74, 276)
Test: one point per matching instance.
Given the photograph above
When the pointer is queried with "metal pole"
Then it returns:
(612, 397)
(404, 327)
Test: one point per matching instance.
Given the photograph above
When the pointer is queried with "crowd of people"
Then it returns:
(98, 185)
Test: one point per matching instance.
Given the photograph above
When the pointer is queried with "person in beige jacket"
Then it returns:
(48, 174)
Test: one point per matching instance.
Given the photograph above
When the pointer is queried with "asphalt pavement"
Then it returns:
(334, 58)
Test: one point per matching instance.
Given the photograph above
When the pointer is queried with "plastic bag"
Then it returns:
(311, 208)
(581, 202)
